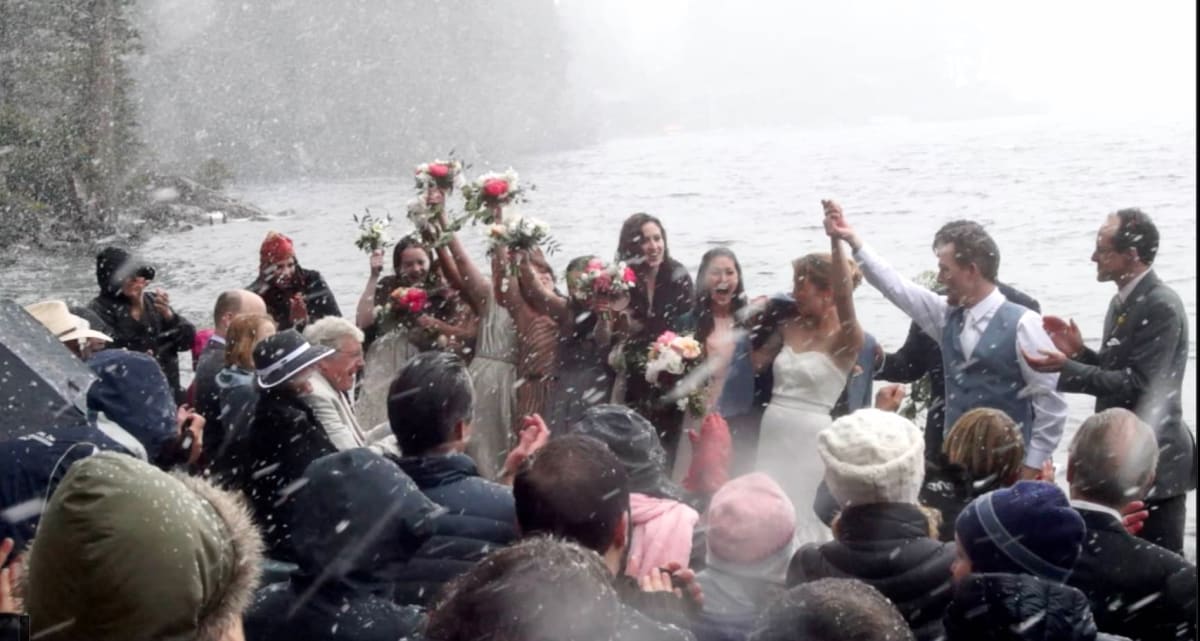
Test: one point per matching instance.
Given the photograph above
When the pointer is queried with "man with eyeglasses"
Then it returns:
(333, 381)
(1139, 365)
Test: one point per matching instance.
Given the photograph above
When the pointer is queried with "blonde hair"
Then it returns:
(243, 334)
(818, 268)
(986, 442)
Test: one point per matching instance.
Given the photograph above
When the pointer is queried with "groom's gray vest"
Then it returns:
(992, 376)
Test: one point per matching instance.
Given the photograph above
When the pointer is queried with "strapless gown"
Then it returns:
(807, 384)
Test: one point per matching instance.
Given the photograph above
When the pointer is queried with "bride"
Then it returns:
(813, 353)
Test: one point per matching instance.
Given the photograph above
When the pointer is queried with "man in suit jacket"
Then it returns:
(1140, 365)
(212, 361)
(920, 355)
(334, 378)
(1137, 589)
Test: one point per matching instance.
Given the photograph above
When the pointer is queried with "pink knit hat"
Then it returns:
(749, 519)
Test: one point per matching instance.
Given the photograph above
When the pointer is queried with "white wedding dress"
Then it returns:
(807, 385)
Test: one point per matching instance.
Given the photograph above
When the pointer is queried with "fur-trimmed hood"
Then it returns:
(126, 551)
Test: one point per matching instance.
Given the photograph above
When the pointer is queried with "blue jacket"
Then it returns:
(359, 520)
(133, 393)
(480, 517)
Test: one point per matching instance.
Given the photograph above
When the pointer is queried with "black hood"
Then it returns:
(358, 519)
(114, 265)
(634, 441)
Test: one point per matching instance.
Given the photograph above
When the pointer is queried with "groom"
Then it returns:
(981, 333)
(1140, 364)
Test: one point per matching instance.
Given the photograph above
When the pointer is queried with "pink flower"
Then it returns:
(495, 188)
(595, 265)
(602, 282)
(666, 339)
(416, 300)
(438, 170)
(629, 277)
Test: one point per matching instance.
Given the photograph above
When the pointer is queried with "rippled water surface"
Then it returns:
(1042, 188)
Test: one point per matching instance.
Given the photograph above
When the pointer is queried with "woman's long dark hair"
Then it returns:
(407, 243)
(704, 314)
(629, 246)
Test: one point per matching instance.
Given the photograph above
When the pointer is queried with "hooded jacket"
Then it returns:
(283, 439)
(238, 400)
(309, 284)
(886, 545)
(1017, 607)
(663, 524)
(359, 520)
(132, 392)
(152, 334)
(127, 552)
(479, 518)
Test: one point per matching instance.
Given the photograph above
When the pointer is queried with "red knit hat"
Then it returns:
(275, 248)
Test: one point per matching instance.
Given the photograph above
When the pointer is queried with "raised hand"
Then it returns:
(162, 303)
(534, 435)
(836, 225)
(1050, 361)
(1064, 334)
(889, 397)
(376, 262)
(1133, 517)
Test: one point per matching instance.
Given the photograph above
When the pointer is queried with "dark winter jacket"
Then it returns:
(283, 439)
(480, 518)
(1017, 607)
(208, 394)
(152, 334)
(238, 398)
(132, 392)
(317, 295)
(358, 520)
(886, 545)
(1137, 589)
(32, 465)
(948, 488)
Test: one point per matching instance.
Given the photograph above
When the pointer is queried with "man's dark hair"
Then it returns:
(430, 396)
(575, 488)
(539, 588)
(972, 244)
(1136, 231)
(832, 610)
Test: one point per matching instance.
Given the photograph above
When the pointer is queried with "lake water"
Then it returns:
(1041, 186)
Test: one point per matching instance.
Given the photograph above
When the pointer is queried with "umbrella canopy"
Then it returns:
(43, 385)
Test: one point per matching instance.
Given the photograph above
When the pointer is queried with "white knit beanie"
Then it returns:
(872, 456)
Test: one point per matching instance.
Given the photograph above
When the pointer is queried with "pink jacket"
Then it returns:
(662, 533)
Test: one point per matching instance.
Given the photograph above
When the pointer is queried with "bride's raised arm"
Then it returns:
(850, 340)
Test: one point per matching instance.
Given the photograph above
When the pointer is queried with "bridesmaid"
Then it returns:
(583, 377)
(722, 322)
(537, 349)
(389, 343)
(494, 367)
(661, 301)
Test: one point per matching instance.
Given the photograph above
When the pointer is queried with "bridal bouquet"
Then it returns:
(443, 174)
(600, 279)
(520, 232)
(668, 364)
(492, 190)
(372, 232)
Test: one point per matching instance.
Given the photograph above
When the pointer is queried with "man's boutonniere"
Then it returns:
(1121, 318)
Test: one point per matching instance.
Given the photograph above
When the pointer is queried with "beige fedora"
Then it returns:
(62, 323)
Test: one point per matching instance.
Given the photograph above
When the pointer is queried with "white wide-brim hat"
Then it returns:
(65, 326)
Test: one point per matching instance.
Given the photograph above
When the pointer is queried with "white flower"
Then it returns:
(689, 347)
(673, 362)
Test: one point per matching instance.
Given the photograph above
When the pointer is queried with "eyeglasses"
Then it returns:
(358, 353)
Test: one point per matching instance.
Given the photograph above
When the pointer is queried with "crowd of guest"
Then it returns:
(492, 461)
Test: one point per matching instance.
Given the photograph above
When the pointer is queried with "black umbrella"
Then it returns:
(42, 384)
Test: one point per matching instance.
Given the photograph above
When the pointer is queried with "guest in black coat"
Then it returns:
(874, 465)
(139, 320)
(284, 437)
(920, 355)
(1137, 589)
(294, 296)
(662, 300)
(1140, 365)
(983, 452)
(1016, 548)
(212, 360)
(358, 520)
(430, 405)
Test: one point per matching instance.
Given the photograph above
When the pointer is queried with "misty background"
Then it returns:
(285, 88)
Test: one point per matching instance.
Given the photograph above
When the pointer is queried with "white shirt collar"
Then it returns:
(216, 339)
(985, 307)
(1125, 291)
(1096, 507)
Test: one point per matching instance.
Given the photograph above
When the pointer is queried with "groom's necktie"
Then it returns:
(1110, 320)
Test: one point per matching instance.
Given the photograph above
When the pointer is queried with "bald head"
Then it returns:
(1112, 459)
(233, 303)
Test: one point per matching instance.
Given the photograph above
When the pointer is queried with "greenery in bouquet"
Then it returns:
(604, 280)
(916, 403)
(671, 362)
(492, 190)
(372, 232)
